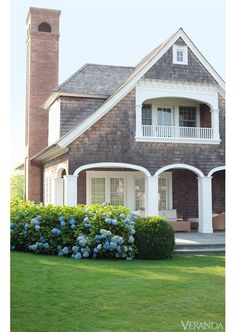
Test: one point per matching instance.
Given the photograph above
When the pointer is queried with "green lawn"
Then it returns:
(63, 295)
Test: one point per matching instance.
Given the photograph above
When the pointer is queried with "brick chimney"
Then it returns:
(41, 78)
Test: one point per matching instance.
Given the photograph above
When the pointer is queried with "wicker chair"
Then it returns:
(176, 223)
(219, 222)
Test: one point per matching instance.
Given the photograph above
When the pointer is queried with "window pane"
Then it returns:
(180, 56)
(97, 190)
(139, 194)
(147, 115)
(117, 191)
(164, 116)
(162, 194)
(187, 116)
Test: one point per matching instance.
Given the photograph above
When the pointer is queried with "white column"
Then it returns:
(130, 194)
(70, 189)
(215, 124)
(205, 205)
(139, 121)
(58, 191)
(151, 196)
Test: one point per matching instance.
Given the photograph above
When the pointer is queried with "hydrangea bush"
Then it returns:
(95, 231)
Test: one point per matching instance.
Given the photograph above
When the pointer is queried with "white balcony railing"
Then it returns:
(176, 132)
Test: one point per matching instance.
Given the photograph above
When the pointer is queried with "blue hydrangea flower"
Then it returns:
(99, 246)
(37, 228)
(95, 250)
(41, 238)
(72, 221)
(131, 239)
(12, 225)
(104, 214)
(75, 249)
(13, 247)
(61, 218)
(85, 254)
(97, 238)
(72, 226)
(107, 245)
(86, 219)
(82, 242)
(65, 251)
(59, 247)
(113, 245)
(33, 247)
(32, 221)
(39, 244)
(39, 218)
(103, 231)
(46, 245)
(78, 255)
(63, 223)
(36, 222)
(122, 215)
(114, 222)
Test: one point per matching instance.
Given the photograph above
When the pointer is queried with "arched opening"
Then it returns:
(218, 198)
(112, 183)
(182, 192)
(44, 27)
(59, 194)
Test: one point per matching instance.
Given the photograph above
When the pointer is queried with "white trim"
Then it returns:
(181, 166)
(168, 177)
(111, 165)
(177, 140)
(183, 49)
(216, 169)
(205, 204)
(130, 84)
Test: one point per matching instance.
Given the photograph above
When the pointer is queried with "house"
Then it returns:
(149, 137)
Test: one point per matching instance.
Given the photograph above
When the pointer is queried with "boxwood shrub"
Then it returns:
(78, 232)
(154, 238)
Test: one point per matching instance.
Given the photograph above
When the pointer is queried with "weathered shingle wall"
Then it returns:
(164, 69)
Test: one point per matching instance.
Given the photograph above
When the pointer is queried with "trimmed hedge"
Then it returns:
(154, 238)
(78, 232)
(96, 231)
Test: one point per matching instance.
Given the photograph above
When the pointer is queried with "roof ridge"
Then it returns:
(99, 64)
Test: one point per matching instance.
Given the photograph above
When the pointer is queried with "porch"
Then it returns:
(175, 186)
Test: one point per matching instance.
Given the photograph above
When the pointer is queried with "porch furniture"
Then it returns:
(170, 215)
(194, 223)
(219, 222)
(180, 226)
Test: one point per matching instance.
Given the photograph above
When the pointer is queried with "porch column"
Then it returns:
(70, 185)
(151, 196)
(205, 205)
(139, 121)
(58, 192)
(215, 124)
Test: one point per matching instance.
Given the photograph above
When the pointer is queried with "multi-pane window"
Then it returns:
(180, 56)
(187, 116)
(163, 116)
(98, 190)
(47, 193)
(139, 194)
(147, 115)
(117, 191)
(163, 192)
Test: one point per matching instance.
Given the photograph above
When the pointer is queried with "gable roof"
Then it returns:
(142, 67)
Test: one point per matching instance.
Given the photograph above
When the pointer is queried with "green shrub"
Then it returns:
(154, 238)
(79, 232)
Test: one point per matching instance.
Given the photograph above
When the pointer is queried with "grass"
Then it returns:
(63, 295)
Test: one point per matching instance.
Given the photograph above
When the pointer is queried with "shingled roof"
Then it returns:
(96, 79)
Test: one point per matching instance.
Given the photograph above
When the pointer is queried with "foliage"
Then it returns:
(17, 186)
(78, 232)
(154, 238)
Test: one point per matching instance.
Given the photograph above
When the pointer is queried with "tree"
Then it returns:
(17, 185)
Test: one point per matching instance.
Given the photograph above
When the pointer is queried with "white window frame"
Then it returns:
(48, 188)
(54, 118)
(156, 113)
(168, 177)
(184, 50)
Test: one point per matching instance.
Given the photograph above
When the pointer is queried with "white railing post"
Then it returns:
(205, 205)
(215, 123)
(151, 196)
(70, 182)
(139, 132)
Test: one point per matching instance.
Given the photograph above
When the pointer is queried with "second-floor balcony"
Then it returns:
(176, 132)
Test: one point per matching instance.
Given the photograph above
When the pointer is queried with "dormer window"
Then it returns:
(180, 54)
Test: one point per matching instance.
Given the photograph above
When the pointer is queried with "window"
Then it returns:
(165, 191)
(139, 194)
(180, 54)
(98, 190)
(54, 122)
(187, 116)
(147, 115)
(44, 27)
(163, 116)
(47, 193)
(117, 191)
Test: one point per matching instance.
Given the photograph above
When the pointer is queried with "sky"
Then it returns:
(118, 32)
